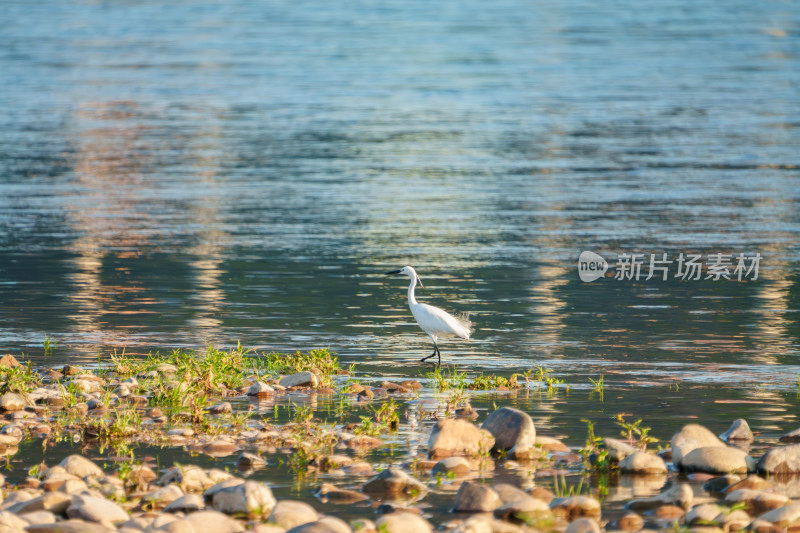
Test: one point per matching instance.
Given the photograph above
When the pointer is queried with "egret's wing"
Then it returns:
(438, 322)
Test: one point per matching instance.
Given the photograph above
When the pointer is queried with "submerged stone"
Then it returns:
(458, 437)
(513, 431)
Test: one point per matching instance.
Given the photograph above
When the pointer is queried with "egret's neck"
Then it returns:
(412, 300)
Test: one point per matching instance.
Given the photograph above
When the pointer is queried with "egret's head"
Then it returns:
(407, 271)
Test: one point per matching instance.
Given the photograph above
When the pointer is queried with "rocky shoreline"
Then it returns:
(204, 403)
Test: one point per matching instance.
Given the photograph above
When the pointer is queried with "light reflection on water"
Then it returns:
(184, 174)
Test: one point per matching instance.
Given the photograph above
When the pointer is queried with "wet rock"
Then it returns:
(411, 385)
(54, 502)
(9, 361)
(364, 525)
(756, 502)
(692, 436)
(737, 520)
(395, 507)
(394, 482)
(158, 499)
(642, 463)
(403, 523)
(189, 478)
(573, 507)
(379, 393)
(242, 498)
(483, 524)
(93, 509)
(336, 525)
(187, 503)
(327, 524)
(617, 449)
(57, 480)
(791, 437)
(780, 460)
(329, 492)
(630, 522)
(762, 526)
(583, 525)
(218, 476)
(365, 394)
(458, 466)
(718, 460)
(679, 495)
(720, 483)
(360, 442)
(224, 484)
(458, 437)
(784, 517)
(290, 513)
(668, 512)
(248, 460)
(509, 493)
(141, 475)
(473, 497)
(264, 528)
(550, 444)
(39, 517)
(80, 466)
(300, 379)
(68, 526)
(523, 510)
(222, 408)
(543, 494)
(12, 401)
(87, 384)
(750, 482)
(260, 390)
(739, 430)
(180, 432)
(513, 431)
(219, 448)
(166, 368)
(175, 526)
(203, 521)
(353, 388)
(394, 388)
(705, 514)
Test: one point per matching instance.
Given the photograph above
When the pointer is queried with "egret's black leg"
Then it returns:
(431, 355)
(440, 355)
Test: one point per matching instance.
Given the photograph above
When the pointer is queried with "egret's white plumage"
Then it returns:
(433, 321)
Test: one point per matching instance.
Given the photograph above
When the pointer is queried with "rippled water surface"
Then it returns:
(190, 173)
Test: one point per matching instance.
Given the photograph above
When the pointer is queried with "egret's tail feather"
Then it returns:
(466, 323)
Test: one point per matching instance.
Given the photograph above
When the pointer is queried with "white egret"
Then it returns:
(433, 321)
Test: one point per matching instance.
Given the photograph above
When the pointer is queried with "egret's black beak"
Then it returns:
(393, 272)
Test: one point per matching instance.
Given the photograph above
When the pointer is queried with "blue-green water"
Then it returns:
(184, 173)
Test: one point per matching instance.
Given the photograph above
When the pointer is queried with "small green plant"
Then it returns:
(634, 432)
(368, 427)
(542, 375)
(49, 345)
(452, 379)
(441, 476)
(597, 384)
(492, 382)
(387, 414)
(562, 489)
(301, 414)
(593, 455)
(456, 398)
(19, 379)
